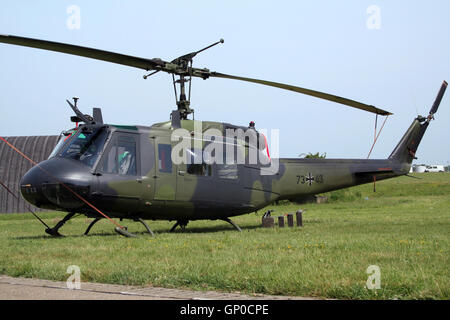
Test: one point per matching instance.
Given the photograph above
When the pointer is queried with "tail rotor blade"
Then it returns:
(437, 102)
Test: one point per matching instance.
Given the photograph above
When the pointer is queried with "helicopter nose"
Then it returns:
(52, 184)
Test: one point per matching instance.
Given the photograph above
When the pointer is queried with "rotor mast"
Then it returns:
(183, 103)
(185, 63)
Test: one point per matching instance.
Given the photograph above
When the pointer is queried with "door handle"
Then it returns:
(181, 173)
(139, 180)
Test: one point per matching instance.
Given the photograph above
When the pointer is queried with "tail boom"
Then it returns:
(305, 177)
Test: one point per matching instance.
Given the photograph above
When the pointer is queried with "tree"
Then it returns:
(311, 155)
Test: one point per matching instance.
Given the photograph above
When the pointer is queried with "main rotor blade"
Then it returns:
(174, 68)
(317, 94)
(146, 64)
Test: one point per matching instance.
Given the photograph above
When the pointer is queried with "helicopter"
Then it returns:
(184, 169)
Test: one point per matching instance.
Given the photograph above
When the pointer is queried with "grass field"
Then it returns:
(403, 228)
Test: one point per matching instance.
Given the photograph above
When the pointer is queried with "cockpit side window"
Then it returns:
(121, 157)
(126, 155)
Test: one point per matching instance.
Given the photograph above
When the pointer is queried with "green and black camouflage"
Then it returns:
(129, 172)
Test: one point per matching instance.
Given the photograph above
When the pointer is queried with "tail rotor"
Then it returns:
(406, 149)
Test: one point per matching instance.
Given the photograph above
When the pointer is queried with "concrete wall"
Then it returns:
(13, 166)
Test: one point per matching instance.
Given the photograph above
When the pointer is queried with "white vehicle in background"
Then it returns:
(435, 168)
(419, 168)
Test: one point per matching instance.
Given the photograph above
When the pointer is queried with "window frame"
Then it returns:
(113, 141)
(158, 164)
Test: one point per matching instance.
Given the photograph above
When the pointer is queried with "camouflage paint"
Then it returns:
(178, 195)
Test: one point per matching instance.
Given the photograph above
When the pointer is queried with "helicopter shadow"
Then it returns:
(213, 229)
(199, 230)
(46, 237)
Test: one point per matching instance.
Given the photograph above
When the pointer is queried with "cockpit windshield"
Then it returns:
(86, 145)
(63, 139)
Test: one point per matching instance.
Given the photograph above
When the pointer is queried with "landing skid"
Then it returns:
(138, 220)
(181, 223)
(184, 223)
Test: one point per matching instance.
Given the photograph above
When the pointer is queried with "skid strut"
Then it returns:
(91, 225)
(54, 231)
(232, 223)
(181, 223)
(146, 226)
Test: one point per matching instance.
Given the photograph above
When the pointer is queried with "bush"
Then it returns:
(344, 195)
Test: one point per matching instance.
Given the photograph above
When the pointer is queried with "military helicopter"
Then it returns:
(130, 171)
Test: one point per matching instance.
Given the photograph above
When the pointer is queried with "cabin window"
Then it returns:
(196, 164)
(202, 169)
(165, 158)
(227, 171)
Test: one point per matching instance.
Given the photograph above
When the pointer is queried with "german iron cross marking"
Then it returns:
(309, 179)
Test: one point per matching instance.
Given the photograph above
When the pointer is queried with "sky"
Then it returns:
(390, 54)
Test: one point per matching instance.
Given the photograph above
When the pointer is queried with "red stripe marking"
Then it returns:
(267, 147)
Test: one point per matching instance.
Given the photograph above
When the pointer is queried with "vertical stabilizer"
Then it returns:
(405, 151)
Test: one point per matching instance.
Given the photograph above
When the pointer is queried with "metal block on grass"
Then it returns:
(281, 221)
(268, 222)
(299, 217)
(290, 219)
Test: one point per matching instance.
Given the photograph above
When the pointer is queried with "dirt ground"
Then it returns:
(36, 289)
